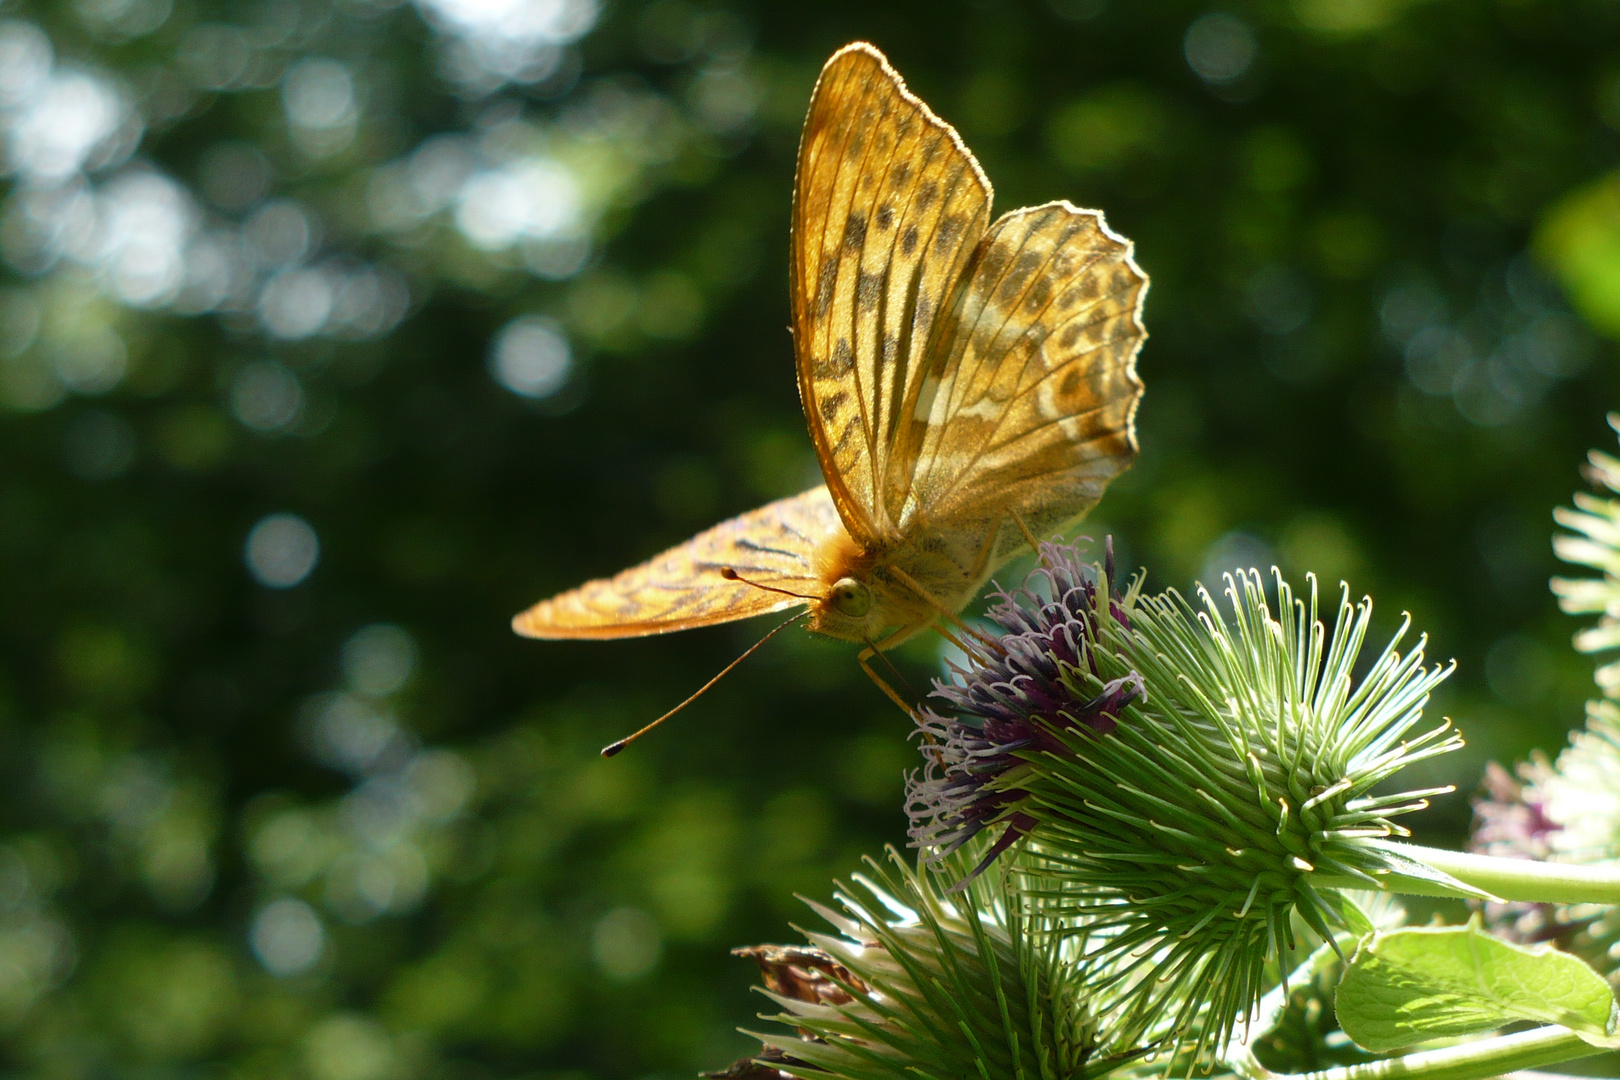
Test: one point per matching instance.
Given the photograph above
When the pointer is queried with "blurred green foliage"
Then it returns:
(333, 333)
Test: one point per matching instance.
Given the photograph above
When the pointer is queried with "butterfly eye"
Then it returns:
(850, 597)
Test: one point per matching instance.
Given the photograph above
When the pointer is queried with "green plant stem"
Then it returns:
(1517, 879)
(1468, 1061)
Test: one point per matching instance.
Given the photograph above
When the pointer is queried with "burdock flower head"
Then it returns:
(913, 982)
(1178, 783)
(1019, 693)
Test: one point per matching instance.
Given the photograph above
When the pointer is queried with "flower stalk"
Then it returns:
(1479, 1060)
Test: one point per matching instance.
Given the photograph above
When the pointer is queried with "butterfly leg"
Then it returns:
(865, 655)
(1029, 537)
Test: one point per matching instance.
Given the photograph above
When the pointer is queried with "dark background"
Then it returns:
(490, 295)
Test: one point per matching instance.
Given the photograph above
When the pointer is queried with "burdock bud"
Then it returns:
(1181, 782)
(915, 982)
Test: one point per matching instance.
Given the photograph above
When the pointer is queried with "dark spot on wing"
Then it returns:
(843, 358)
(867, 289)
(922, 312)
(926, 194)
(845, 434)
(908, 240)
(950, 227)
(1039, 293)
(1018, 277)
(984, 340)
(854, 231)
(1070, 335)
(826, 281)
(994, 261)
(750, 545)
(1070, 383)
(900, 173)
(831, 404)
(885, 216)
(1036, 336)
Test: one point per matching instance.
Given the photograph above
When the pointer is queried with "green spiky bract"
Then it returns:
(1179, 845)
(944, 986)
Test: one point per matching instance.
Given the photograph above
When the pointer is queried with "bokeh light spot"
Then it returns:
(71, 120)
(349, 1047)
(353, 735)
(534, 198)
(496, 41)
(1108, 129)
(378, 660)
(1219, 47)
(281, 550)
(287, 937)
(20, 319)
(123, 20)
(322, 109)
(626, 943)
(530, 356)
(25, 60)
(297, 303)
(91, 359)
(266, 396)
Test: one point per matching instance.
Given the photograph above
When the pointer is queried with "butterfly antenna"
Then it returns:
(613, 748)
(731, 575)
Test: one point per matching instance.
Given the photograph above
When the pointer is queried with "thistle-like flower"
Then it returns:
(1512, 823)
(1183, 779)
(1567, 811)
(917, 983)
(1017, 696)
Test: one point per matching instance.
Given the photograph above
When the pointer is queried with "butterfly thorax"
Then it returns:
(885, 593)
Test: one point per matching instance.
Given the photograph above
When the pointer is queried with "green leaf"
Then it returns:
(1411, 985)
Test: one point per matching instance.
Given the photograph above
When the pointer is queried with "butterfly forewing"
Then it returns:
(1033, 413)
(888, 208)
(683, 587)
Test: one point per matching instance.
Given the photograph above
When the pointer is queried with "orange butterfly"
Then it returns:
(967, 385)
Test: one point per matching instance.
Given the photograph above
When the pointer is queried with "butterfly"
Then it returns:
(968, 385)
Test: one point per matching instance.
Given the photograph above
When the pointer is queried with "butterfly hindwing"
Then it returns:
(1034, 411)
(888, 207)
(683, 587)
